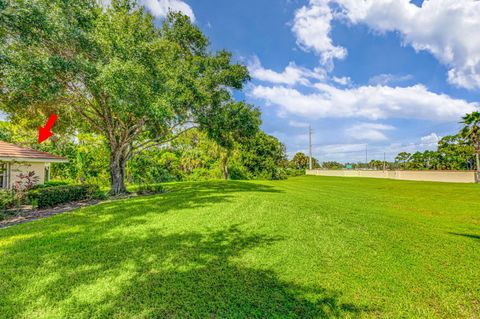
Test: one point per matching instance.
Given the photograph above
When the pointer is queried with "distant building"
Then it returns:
(15, 160)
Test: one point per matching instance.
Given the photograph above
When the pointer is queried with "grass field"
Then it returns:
(308, 247)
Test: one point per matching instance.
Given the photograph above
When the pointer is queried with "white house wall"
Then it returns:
(26, 167)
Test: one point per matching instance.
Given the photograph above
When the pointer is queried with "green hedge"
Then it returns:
(50, 184)
(52, 196)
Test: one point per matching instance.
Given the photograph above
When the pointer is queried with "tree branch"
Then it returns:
(158, 141)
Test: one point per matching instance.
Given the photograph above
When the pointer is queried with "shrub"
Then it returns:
(7, 199)
(292, 172)
(52, 196)
(279, 174)
(51, 184)
(238, 172)
(146, 189)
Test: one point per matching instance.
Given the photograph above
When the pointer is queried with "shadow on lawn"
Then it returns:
(152, 275)
(467, 235)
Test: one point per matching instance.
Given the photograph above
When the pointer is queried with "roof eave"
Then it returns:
(33, 160)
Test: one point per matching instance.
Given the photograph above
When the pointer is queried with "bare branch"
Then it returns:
(159, 141)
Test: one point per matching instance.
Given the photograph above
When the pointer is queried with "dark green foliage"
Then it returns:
(300, 161)
(51, 184)
(52, 196)
(150, 189)
(454, 152)
(7, 199)
(292, 172)
(114, 72)
(332, 165)
(262, 156)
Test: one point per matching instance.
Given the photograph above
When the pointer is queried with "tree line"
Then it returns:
(460, 151)
(454, 152)
(129, 88)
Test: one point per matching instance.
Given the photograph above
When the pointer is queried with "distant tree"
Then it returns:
(402, 158)
(376, 164)
(196, 152)
(111, 71)
(471, 131)
(263, 156)
(300, 161)
(417, 161)
(333, 165)
(231, 124)
(455, 152)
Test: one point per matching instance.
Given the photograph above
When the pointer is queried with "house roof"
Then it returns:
(11, 152)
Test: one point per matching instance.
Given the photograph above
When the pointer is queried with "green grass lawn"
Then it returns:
(308, 247)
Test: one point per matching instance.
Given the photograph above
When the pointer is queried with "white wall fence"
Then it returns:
(431, 176)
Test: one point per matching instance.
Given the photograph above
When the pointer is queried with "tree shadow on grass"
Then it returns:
(180, 196)
(477, 237)
(189, 275)
(75, 267)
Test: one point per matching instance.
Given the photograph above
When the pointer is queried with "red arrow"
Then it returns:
(45, 132)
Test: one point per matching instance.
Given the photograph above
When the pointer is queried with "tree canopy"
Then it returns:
(111, 71)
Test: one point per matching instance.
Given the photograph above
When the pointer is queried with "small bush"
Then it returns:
(51, 184)
(279, 174)
(238, 173)
(292, 172)
(7, 200)
(52, 196)
(145, 189)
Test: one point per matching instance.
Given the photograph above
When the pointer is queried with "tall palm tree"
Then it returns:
(471, 131)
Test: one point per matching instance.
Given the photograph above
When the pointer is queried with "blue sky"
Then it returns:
(395, 75)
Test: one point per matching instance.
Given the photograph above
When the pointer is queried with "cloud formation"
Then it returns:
(292, 75)
(369, 102)
(445, 28)
(431, 139)
(312, 26)
(386, 79)
(160, 8)
(369, 131)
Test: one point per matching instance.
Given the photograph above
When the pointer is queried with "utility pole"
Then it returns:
(310, 163)
(384, 161)
(366, 155)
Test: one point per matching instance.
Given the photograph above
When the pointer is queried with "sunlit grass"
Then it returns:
(308, 247)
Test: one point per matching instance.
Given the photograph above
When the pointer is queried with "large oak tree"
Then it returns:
(111, 70)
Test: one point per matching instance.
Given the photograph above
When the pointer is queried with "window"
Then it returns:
(3, 175)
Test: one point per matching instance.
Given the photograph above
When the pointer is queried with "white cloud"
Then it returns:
(312, 27)
(295, 124)
(448, 29)
(432, 138)
(292, 75)
(343, 80)
(369, 131)
(370, 102)
(340, 148)
(445, 28)
(160, 8)
(386, 79)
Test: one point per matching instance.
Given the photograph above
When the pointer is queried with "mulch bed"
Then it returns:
(27, 213)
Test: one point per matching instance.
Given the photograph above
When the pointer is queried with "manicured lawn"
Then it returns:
(308, 247)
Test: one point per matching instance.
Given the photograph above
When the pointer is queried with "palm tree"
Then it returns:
(471, 131)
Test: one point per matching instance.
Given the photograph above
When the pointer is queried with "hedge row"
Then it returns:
(52, 196)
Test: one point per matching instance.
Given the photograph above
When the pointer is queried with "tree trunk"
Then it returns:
(117, 173)
(477, 156)
(225, 165)
(476, 143)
